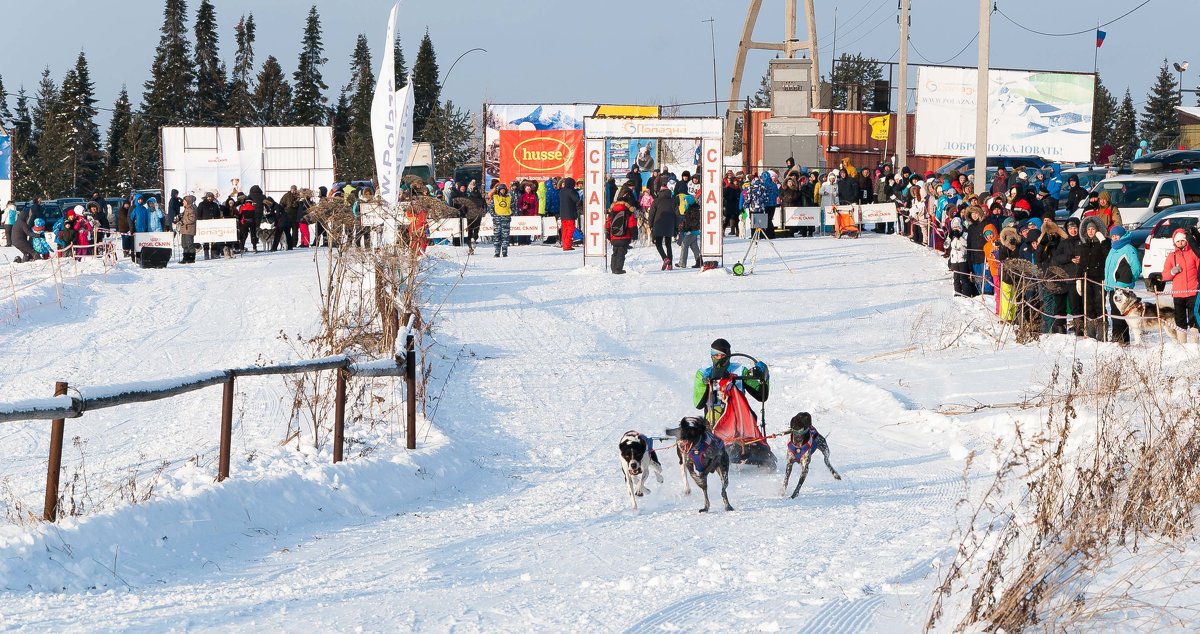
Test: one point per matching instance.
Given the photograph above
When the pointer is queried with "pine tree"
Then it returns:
(426, 91)
(1124, 135)
(122, 118)
(167, 100)
(24, 183)
(1104, 113)
(211, 88)
(273, 95)
(51, 140)
(241, 109)
(356, 156)
(452, 132)
(138, 167)
(762, 96)
(400, 66)
(1160, 124)
(361, 87)
(6, 115)
(340, 120)
(858, 72)
(77, 105)
(308, 104)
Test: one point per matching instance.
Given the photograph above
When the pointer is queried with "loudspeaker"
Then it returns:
(155, 257)
(882, 96)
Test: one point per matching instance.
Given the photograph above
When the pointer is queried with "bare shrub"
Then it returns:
(1083, 507)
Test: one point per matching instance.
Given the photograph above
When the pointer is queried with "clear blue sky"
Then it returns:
(608, 51)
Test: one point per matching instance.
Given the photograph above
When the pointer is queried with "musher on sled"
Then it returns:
(720, 390)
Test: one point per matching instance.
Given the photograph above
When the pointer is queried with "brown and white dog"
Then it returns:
(637, 460)
(1144, 317)
(803, 441)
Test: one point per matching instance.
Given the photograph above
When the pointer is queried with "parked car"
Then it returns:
(464, 174)
(1139, 196)
(966, 164)
(1158, 243)
(1088, 177)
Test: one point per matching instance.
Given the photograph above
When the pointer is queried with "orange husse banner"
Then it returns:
(540, 154)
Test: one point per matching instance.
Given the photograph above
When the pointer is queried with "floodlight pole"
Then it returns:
(981, 93)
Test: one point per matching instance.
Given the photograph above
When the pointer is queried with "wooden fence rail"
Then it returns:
(63, 405)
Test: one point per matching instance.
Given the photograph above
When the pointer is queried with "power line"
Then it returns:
(996, 9)
(857, 25)
(877, 25)
(949, 59)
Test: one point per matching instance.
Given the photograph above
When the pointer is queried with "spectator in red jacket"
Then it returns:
(1181, 270)
(620, 225)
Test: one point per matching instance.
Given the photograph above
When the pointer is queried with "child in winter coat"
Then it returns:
(958, 260)
(689, 234)
(1181, 270)
(40, 246)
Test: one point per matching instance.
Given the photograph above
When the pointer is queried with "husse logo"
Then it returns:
(543, 154)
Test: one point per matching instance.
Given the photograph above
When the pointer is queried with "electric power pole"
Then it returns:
(902, 92)
(981, 94)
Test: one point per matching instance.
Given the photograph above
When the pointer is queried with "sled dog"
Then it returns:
(803, 441)
(701, 453)
(637, 460)
(1143, 317)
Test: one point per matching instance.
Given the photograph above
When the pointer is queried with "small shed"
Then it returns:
(1189, 127)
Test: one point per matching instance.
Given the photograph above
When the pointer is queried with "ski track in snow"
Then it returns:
(513, 515)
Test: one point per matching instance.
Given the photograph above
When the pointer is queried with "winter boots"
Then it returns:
(667, 266)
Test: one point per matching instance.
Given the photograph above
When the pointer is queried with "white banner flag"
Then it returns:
(384, 130)
(404, 127)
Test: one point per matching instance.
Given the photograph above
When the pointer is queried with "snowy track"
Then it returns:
(513, 516)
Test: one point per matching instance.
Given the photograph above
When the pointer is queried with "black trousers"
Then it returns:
(288, 237)
(663, 244)
(1184, 318)
(1120, 329)
(619, 250)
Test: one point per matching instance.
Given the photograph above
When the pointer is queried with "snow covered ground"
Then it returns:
(511, 514)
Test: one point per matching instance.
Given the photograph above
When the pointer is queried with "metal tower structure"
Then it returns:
(789, 47)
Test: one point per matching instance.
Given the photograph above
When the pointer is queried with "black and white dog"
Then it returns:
(803, 441)
(701, 453)
(1144, 317)
(637, 460)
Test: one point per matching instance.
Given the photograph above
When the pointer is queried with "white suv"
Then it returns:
(1138, 196)
(1159, 244)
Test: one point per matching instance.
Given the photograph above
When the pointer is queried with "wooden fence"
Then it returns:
(63, 406)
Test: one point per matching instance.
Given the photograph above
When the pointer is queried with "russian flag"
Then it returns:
(1100, 38)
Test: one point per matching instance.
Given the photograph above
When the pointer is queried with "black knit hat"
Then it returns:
(720, 345)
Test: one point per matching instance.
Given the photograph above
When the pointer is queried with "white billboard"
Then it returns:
(198, 160)
(1029, 112)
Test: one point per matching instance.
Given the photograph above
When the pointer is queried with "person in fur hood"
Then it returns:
(1093, 252)
(1043, 256)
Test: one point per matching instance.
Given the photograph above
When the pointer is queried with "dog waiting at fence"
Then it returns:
(701, 453)
(637, 461)
(1143, 317)
(803, 441)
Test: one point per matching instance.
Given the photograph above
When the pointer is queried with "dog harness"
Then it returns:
(799, 452)
(697, 451)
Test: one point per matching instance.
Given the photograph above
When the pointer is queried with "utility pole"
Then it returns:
(712, 32)
(981, 94)
(832, 71)
(902, 93)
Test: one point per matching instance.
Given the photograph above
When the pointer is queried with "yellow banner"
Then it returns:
(627, 111)
(880, 126)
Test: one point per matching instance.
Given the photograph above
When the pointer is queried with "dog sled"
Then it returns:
(743, 432)
(845, 225)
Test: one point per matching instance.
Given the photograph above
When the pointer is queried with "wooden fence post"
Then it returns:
(339, 416)
(57, 427)
(226, 428)
(410, 388)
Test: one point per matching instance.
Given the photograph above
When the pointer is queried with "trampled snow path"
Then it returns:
(512, 515)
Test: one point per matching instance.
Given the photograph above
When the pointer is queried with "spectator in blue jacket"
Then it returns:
(1120, 271)
(140, 216)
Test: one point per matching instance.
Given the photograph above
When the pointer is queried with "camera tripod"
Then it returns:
(752, 253)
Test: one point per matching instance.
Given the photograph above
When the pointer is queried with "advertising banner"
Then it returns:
(802, 216)
(877, 212)
(711, 235)
(152, 239)
(1029, 112)
(384, 120)
(671, 128)
(540, 154)
(528, 119)
(623, 154)
(594, 243)
(219, 230)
